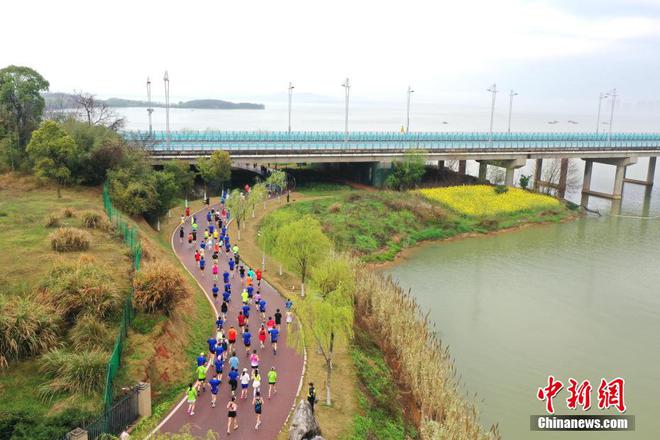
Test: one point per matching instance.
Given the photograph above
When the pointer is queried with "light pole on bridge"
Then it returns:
(511, 95)
(347, 89)
(601, 96)
(409, 92)
(493, 91)
(290, 95)
(166, 80)
(613, 95)
(149, 109)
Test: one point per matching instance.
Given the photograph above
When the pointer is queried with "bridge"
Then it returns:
(506, 150)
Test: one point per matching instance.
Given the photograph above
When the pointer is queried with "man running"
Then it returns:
(233, 380)
(247, 340)
(311, 395)
(278, 319)
(214, 291)
(274, 335)
(272, 381)
(232, 334)
(215, 386)
(201, 376)
(181, 234)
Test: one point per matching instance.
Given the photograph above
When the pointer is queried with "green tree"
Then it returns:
(21, 107)
(183, 176)
(166, 189)
(258, 193)
(215, 170)
(51, 150)
(524, 181)
(301, 244)
(277, 181)
(407, 173)
(237, 205)
(327, 312)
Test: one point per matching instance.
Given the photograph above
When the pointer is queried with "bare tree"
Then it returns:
(551, 172)
(496, 175)
(97, 112)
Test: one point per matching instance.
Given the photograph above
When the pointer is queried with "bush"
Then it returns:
(144, 323)
(81, 372)
(158, 287)
(28, 426)
(68, 213)
(94, 220)
(27, 327)
(69, 240)
(89, 333)
(81, 287)
(52, 221)
(501, 189)
(334, 208)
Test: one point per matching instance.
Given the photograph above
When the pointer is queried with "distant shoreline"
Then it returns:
(68, 101)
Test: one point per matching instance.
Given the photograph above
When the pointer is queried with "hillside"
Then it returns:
(59, 100)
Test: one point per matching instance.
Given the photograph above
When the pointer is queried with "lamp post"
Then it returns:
(166, 80)
(347, 89)
(511, 95)
(290, 94)
(609, 135)
(601, 96)
(410, 92)
(493, 91)
(149, 109)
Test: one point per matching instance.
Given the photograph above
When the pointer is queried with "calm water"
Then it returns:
(575, 300)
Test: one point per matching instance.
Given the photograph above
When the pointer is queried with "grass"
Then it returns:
(487, 201)
(377, 225)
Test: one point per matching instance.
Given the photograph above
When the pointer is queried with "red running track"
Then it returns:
(288, 363)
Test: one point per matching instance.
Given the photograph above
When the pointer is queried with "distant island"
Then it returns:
(67, 100)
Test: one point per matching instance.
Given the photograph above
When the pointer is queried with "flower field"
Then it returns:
(482, 200)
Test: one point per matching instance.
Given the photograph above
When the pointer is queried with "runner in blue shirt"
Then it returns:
(202, 244)
(274, 334)
(226, 295)
(224, 231)
(208, 216)
(220, 350)
(288, 305)
(246, 310)
(215, 290)
(201, 359)
(231, 266)
(225, 277)
(262, 308)
(250, 289)
(233, 380)
(219, 364)
(215, 384)
(212, 342)
(247, 340)
(219, 323)
(233, 361)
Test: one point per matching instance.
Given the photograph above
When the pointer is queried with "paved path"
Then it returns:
(288, 362)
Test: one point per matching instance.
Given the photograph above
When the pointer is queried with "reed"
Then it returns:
(79, 372)
(158, 287)
(69, 239)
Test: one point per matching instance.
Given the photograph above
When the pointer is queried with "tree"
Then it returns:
(524, 181)
(51, 150)
(407, 173)
(166, 189)
(277, 181)
(183, 176)
(96, 112)
(301, 244)
(258, 193)
(551, 172)
(21, 107)
(327, 311)
(237, 205)
(216, 169)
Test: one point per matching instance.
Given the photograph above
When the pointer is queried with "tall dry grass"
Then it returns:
(406, 336)
(80, 372)
(69, 239)
(94, 220)
(158, 287)
(27, 327)
(81, 287)
(89, 333)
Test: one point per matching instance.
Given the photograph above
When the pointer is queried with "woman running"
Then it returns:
(254, 360)
(256, 384)
(262, 336)
(258, 405)
(272, 381)
(190, 240)
(192, 398)
(231, 414)
(245, 383)
(215, 271)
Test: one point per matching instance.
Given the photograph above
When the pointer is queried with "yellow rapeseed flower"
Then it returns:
(482, 200)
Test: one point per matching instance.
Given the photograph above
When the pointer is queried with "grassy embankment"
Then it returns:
(377, 225)
(158, 349)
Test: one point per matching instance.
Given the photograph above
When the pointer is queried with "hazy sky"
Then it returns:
(551, 52)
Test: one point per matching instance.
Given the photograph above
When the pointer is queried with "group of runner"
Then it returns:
(209, 243)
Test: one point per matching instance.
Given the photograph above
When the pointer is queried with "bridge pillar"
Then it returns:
(441, 165)
(538, 169)
(650, 175)
(380, 171)
(586, 182)
(483, 170)
(462, 165)
(509, 165)
(563, 176)
(617, 190)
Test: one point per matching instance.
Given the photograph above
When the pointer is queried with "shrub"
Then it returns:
(68, 213)
(81, 287)
(501, 189)
(52, 221)
(28, 426)
(334, 208)
(94, 220)
(89, 333)
(27, 327)
(69, 240)
(80, 372)
(158, 287)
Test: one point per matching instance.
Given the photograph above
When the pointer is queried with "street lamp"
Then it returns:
(290, 94)
(149, 109)
(613, 95)
(410, 92)
(601, 96)
(511, 95)
(263, 253)
(166, 80)
(347, 89)
(493, 91)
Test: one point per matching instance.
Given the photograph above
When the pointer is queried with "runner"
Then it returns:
(247, 340)
(225, 276)
(259, 275)
(245, 383)
(258, 405)
(219, 323)
(245, 297)
(254, 360)
(231, 336)
(215, 385)
(181, 234)
(272, 381)
(202, 265)
(262, 335)
(274, 334)
(241, 321)
(231, 414)
(311, 395)
(212, 343)
(270, 324)
(224, 308)
(190, 240)
(187, 211)
(214, 291)
(233, 380)
(226, 295)
(262, 309)
(246, 312)
(201, 376)
(278, 319)
(201, 359)
(241, 271)
(231, 267)
(256, 384)
(219, 364)
(215, 271)
(192, 398)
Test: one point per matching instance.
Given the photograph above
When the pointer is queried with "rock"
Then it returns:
(303, 423)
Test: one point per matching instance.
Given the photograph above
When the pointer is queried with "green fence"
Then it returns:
(130, 237)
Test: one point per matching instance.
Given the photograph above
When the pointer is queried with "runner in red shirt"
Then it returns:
(270, 323)
(198, 256)
(231, 337)
(259, 277)
(241, 319)
(262, 335)
(187, 211)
